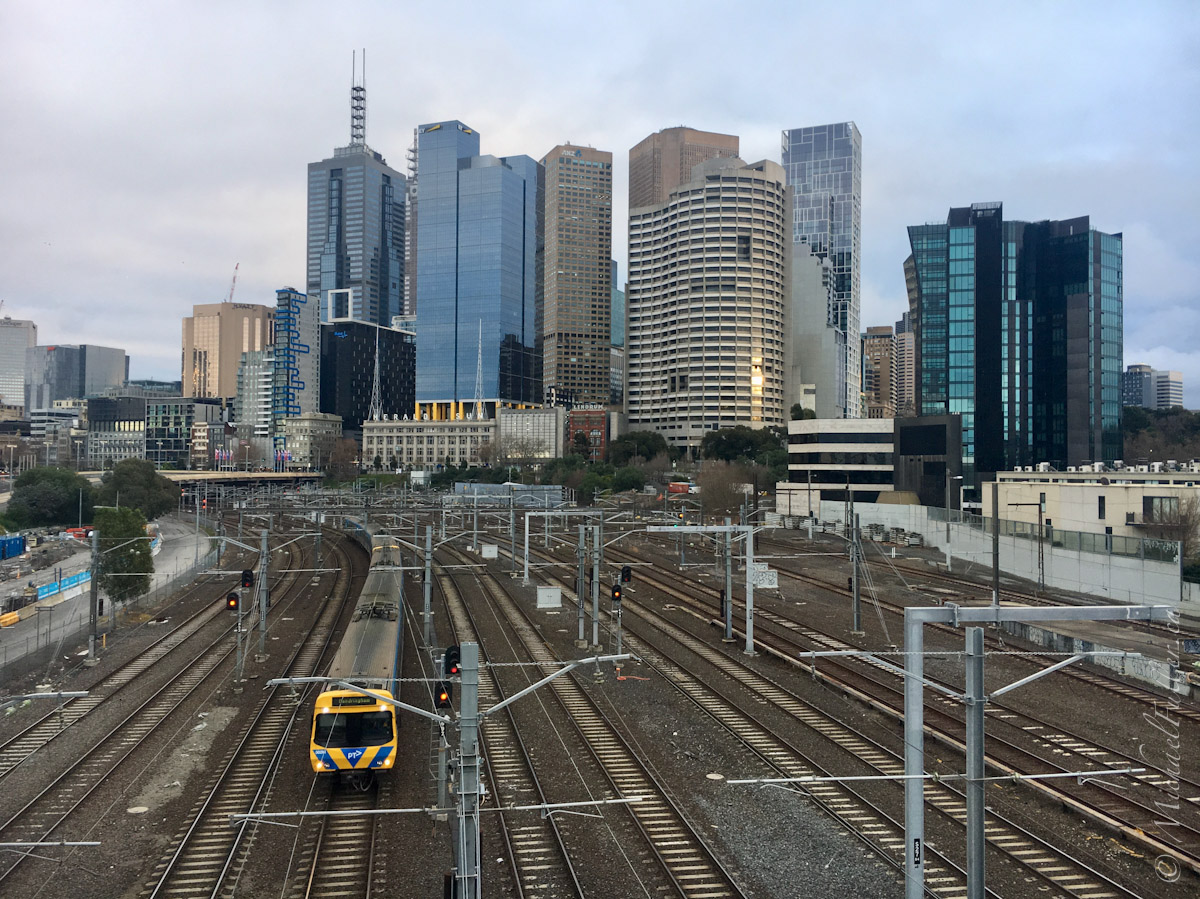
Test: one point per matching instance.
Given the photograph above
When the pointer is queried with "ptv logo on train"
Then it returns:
(353, 755)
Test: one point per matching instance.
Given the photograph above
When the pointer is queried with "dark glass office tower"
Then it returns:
(479, 249)
(356, 230)
(1018, 329)
(824, 170)
(348, 371)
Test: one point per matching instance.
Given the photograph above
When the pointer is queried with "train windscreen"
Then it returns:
(337, 730)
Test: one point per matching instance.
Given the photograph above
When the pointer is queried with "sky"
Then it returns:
(147, 149)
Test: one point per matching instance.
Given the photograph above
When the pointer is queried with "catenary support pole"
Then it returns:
(428, 585)
(595, 588)
(93, 596)
(581, 582)
(469, 872)
(914, 758)
(749, 536)
(996, 542)
(975, 698)
(855, 553)
(728, 610)
(263, 599)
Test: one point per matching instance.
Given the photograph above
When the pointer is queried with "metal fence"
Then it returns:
(55, 632)
(1076, 541)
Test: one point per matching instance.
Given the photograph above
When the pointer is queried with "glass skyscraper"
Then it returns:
(479, 255)
(824, 171)
(1018, 328)
(356, 206)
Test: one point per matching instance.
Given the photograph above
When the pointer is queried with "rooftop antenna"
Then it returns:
(358, 100)
(480, 414)
(376, 412)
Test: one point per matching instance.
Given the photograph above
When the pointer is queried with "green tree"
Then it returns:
(636, 444)
(341, 465)
(135, 483)
(740, 444)
(628, 478)
(49, 496)
(125, 563)
(591, 484)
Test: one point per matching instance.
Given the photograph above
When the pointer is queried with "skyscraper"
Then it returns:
(824, 170)
(356, 229)
(296, 382)
(577, 293)
(879, 371)
(71, 372)
(1144, 386)
(348, 351)
(479, 256)
(905, 366)
(708, 304)
(16, 337)
(664, 161)
(214, 337)
(1019, 330)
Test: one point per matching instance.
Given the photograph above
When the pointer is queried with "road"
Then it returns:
(60, 619)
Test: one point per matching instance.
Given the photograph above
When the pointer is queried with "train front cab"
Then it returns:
(352, 733)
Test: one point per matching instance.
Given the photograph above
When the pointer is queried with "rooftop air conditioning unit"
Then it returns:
(1098, 466)
(1072, 468)
(1156, 466)
(1043, 466)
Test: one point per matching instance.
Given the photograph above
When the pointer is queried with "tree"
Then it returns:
(135, 483)
(741, 443)
(636, 444)
(49, 496)
(125, 563)
(377, 462)
(628, 478)
(800, 413)
(581, 443)
(722, 487)
(342, 466)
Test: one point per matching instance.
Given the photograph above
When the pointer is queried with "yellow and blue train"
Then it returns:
(352, 733)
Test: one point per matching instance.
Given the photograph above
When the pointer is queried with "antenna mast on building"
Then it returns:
(376, 412)
(358, 100)
(480, 413)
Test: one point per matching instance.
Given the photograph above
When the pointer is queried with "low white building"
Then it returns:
(308, 440)
(1122, 503)
(532, 433)
(423, 443)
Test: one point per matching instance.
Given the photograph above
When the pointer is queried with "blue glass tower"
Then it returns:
(1018, 329)
(479, 256)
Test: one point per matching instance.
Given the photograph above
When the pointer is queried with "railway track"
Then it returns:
(341, 860)
(683, 855)
(541, 863)
(48, 813)
(1059, 873)
(209, 855)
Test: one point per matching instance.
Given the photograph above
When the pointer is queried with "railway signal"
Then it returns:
(247, 578)
(442, 694)
(451, 661)
(231, 602)
(626, 574)
(616, 593)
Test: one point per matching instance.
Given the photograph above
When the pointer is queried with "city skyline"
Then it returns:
(174, 171)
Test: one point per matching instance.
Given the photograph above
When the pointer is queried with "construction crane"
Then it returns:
(233, 285)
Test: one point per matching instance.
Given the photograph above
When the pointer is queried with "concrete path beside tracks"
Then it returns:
(58, 619)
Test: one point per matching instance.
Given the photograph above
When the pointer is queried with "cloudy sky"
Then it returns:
(147, 148)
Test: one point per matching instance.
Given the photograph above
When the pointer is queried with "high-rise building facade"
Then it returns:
(214, 337)
(254, 407)
(879, 371)
(297, 358)
(905, 367)
(348, 351)
(664, 161)
(71, 372)
(824, 171)
(16, 336)
(708, 304)
(1019, 330)
(577, 292)
(356, 229)
(1144, 386)
(479, 258)
(618, 310)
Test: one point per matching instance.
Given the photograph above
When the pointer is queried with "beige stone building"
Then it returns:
(577, 289)
(423, 444)
(664, 161)
(214, 337)
(708, 300)
(309, 439)
(879, 371)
